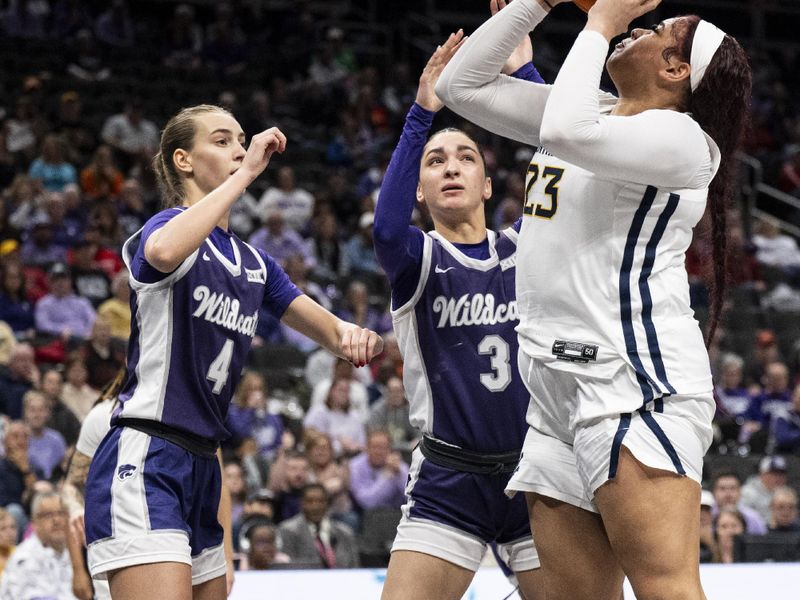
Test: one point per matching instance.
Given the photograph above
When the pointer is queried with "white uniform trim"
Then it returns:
(129, 512)
(424, 273)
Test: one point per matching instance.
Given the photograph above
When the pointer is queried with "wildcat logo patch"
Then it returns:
(125, 472)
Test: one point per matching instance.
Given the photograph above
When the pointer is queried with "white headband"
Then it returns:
(706, 42)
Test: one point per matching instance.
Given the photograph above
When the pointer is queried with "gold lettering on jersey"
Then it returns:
(223, 310)
(552, 176)
(480, 309)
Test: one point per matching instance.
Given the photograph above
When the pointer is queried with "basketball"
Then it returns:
(585, 5)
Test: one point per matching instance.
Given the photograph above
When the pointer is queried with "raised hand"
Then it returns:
(613, 17)
(523, 53)
(426, 97)
(262, 146)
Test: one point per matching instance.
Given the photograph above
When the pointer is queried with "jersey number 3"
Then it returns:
(497, 348)
(220, 368)
(552, 175)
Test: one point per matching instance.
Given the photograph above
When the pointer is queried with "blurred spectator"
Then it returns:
(776, 249)
(23, 129)
(130, 133)
(117, 309)
(783, 510)
(334, 476)
(289, 475)
(21, 200)
(86, 62)
(259, 507)
(234, 480)
(66, 229)
(100, 178)
(40, 567)
(22, 20)
(115, 26)
(15, 309)
(249, 416)
(17, 475)
(16, 378)
(46, 447)
(765, 352)
(263, 552)
(51, 168)
(322, 366)
(88, 281)
(313, 539)
(278, 241)
(758, 489)
(74, 128)
(103, 228)
(8, 537)
(7, 343)
(131, 208)
(727, 490)
(789, 179)
(103, 359)
(41, 249)
(106, 258)
(357, 309)
(297, 268)
(62, 419)
(336, 418)
(772, 402)
(786, 431)
(294, 203)
(728, 524)
(378, 476)
(359, 251)
(61, 312)
(328, 250)
(391, 413)
(225, 48)
(708, 545)
(183, 40)
(77, 395)
(70, 17)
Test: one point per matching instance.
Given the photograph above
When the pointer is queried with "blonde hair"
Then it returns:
(178, 133)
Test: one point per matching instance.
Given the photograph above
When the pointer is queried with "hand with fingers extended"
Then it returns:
(523, 53)
(262, 146)
(426, 97)
(613, 17)
(357, 344)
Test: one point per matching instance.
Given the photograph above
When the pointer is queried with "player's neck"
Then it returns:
(461, 233)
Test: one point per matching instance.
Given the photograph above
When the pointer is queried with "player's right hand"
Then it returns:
(77, 527)
(262, 146)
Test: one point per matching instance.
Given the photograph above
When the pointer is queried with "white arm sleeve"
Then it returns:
(472, 85)
(664, 148)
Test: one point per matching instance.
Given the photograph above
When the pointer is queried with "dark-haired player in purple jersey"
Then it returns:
(454, 312)
(154, 483)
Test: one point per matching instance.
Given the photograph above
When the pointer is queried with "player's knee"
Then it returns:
(666, 588)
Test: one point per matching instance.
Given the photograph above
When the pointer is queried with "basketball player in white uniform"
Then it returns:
(615, 362)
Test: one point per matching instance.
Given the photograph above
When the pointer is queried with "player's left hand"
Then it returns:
(523, 53)
(359, 345)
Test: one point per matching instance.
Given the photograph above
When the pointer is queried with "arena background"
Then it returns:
(78, 79)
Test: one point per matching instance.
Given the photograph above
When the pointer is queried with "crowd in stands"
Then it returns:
(315, 445)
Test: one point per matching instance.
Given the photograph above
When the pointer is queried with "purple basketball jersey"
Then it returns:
(460, 348)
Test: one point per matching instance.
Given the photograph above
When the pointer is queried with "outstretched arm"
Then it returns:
(473, 86)
(574, 129)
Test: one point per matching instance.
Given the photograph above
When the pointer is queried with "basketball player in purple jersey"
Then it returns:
(454, 313)
(154, 483)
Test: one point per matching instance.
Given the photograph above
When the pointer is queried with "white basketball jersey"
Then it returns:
(601, 280)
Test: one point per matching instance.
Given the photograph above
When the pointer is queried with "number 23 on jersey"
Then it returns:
(547, 179)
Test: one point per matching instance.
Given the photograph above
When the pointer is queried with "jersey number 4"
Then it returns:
(497, 348)
(220, 368)
(552, 175)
